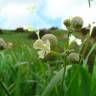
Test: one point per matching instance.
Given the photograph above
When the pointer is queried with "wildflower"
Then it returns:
(73, 57)
(52, 39)
(42, 46)
(77, 22)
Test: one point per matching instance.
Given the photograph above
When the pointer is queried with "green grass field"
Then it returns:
(22, 73)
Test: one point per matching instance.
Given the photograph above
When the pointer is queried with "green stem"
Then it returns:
(62, 86)
(65, 59)
(74, 76)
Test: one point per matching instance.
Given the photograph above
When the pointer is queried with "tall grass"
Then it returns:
(22, 73)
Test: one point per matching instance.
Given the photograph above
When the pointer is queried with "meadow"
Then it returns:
(23, 73)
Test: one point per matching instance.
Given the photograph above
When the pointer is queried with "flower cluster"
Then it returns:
(75, 22)
(42, 46)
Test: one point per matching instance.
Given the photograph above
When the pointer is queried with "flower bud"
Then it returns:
(67, 23)
(73, 57)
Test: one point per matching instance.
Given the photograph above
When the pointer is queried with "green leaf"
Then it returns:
(3, 85)
(93, 83)
(72, 82)
(57, 78)
(91, 50)
(85, 82)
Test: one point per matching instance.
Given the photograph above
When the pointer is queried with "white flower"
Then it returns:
(52, 39)
(78, 41)
(72, 38)
(38, 44)
(43, 46)
(92, 26)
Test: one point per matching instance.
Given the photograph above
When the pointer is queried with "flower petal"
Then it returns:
(38, 44)
(47, 45)
(71, 39)
(41, 54)
(78, 41)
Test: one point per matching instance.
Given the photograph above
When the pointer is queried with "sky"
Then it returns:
(43, 13)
